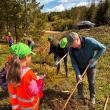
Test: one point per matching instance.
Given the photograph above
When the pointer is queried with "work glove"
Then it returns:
(91, 61)
(56, 63)
(79, 77)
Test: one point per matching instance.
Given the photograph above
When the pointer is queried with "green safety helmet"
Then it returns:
(13, 48)
(21, 50)
(63, 42)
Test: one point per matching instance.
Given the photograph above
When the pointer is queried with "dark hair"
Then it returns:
(14, 72)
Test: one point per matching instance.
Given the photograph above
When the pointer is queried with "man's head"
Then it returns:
(74, 40)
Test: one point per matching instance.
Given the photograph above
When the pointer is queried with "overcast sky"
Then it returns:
(61, 5)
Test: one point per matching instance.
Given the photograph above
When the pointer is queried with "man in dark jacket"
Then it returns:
(61, 51)
(53, 47)
(84, 51)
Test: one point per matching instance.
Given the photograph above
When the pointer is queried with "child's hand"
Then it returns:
(45, 74)
(41, 77)
(36, 73)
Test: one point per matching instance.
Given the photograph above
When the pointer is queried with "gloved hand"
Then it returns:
(56, 64)
(79, 77)
(91, 61)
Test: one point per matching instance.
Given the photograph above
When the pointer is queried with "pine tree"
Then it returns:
(90, 14)
(107, 14)
(101, 12)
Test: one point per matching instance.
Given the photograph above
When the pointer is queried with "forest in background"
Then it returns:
(26, 16)
(96, 13)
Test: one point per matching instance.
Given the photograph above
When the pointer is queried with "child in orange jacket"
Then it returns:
(25, 89)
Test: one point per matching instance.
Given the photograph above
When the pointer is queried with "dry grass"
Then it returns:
(55, 85)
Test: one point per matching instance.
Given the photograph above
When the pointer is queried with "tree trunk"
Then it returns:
(16, 35)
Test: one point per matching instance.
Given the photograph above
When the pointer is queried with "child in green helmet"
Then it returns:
(24, 87)
(61, 50)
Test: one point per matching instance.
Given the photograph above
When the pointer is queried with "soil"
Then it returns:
(55, 100)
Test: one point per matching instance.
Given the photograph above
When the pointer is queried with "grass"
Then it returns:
(55, 98)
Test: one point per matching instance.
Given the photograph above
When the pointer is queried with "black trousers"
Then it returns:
(65, 64)
(91, 73)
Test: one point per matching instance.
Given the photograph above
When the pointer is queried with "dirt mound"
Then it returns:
(55, 100)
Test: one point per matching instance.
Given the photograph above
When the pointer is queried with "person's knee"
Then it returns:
(92, 84)
(65, 65)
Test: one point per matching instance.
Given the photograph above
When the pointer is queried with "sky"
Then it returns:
(61, 5)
